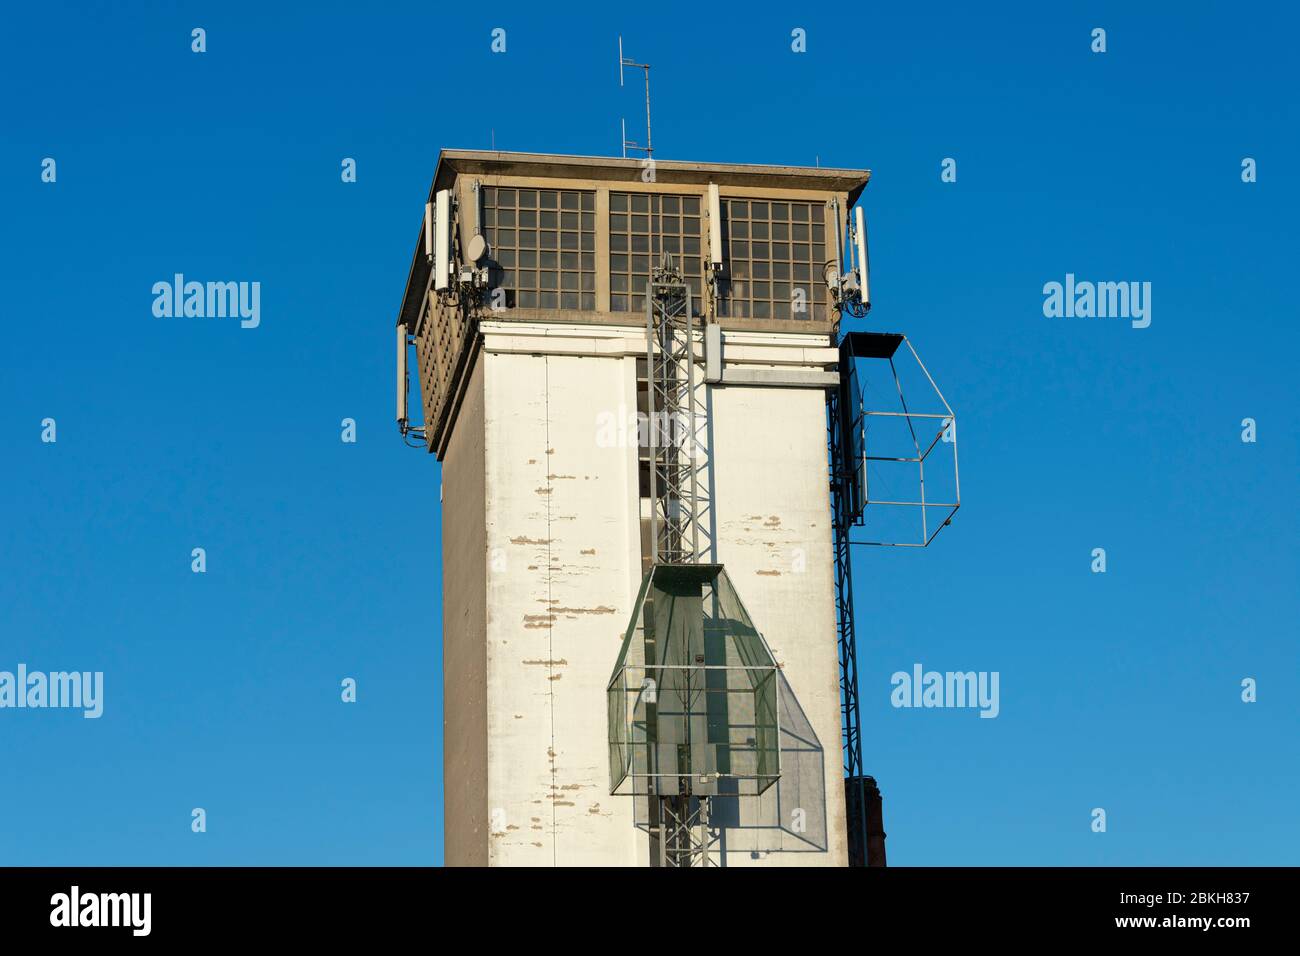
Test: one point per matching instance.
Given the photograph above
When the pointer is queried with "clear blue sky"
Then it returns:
(1119, 690)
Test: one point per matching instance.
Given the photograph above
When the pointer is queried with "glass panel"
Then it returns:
(715, 709)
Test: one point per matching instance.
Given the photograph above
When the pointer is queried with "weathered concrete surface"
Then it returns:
(772, 510)
(464, 631)
(560, 569)
(562, 538)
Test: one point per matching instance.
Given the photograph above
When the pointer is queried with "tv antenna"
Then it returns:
(622, 62)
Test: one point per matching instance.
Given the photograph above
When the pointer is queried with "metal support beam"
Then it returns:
(684, 838)
(850, 716)
(670, 369)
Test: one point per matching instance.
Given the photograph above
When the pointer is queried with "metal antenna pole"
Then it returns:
(623, 61)
(649, 149)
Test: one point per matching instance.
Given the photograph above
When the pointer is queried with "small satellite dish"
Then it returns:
(478, 249)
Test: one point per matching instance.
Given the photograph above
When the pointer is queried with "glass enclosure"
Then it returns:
(693, 697)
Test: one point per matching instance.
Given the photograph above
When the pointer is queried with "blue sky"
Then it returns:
(1119, 691)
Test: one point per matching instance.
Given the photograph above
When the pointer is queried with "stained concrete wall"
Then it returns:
(562, 538)
(561, 565)
(772, 513)
(464, 633)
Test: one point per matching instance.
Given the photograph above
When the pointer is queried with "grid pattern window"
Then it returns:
(544, 243)
(643, 226)
(776, 252)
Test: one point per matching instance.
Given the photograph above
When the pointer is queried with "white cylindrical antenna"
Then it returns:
(715, 227)
(428, 231)
(839, 241)
(620, 62)
(864, 264)
(401, 373)
(442, 240)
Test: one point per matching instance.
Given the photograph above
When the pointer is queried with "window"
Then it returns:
(776, 252)
(544, 241)
(643, 226)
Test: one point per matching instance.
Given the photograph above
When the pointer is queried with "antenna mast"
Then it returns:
(623, 61)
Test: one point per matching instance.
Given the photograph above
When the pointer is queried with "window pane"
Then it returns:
(652, 225)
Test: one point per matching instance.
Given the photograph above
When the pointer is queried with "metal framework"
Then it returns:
(842, 518)
(921, 446)
(670, 373)
(684, 837)
(849, 457)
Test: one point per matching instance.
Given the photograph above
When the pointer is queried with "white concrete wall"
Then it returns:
(772, 511)
(564, 569)
(562, 535)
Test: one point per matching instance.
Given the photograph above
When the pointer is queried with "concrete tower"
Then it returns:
(526, 306)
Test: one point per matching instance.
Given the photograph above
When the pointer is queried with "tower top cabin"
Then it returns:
(536, 239)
